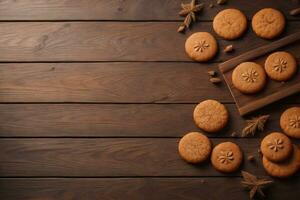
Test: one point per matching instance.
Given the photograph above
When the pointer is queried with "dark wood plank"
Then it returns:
(108, 41)
(116, 120)
(138, 188)
(109, 82)
(108, 157)
(123, 10)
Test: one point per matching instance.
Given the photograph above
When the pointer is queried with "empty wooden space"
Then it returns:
(95, 95)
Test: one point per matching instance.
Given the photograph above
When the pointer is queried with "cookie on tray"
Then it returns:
(268, 23)
(249, 77)
(194, 147)
(276, 147)
(286, 168)
(280, 66)
(227, 157)
(211, 115)
(290, 122)
(230, 23)
(201, 46)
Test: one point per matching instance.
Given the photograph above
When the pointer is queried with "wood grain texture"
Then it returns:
(138, 188)
(109, 41)
(108, 157)
(109, 82)
(117, 120)
(124, 9)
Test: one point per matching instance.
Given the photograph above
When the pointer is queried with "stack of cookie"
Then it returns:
(280, 157)
(210, 116)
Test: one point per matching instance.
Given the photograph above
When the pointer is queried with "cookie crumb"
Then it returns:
(295, 12)
(228, 48)
(259, 152)
(212, 73)
(215, 80)
(251, 158)
(211, 5)
(221, 2)
(233, 134)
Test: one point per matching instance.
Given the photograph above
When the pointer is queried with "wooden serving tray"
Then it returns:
(274, 90)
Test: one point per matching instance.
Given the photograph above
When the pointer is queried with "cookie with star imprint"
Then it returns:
(201, 46)
(226, 157)
(249, 77)
(276, 147)
(290, 122)
(280, 66)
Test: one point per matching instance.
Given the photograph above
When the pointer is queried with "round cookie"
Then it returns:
(290, 122)
(286, 168)
(194, 147)
(268, 23)
(276, 147)
(280, 66)
(201, 46)
(226, 157)
(211, 116)
(230, 23)
(249, 77)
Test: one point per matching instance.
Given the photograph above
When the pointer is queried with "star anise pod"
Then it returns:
(189, 12)
(254, 185)
(254, 125)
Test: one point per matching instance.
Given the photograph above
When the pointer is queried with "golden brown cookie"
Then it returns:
(230, 23)
(280, 66)
(211, 116)
(290, 122)
(268, 23)
(201, 46)
(249, 77)
(286, 168)
(194, 147)
(276, 147)
(226, 157)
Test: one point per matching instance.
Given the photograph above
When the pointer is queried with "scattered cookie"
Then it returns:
(230, 23)
(226, 157)
(211, 116)
(290, 122)
(194, 147)
(280, 66)
(286, 168)
(268, 23)
(201, 46)
(276, 147)
(249, 77)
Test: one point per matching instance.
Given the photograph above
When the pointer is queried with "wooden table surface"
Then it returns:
(95, 94)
